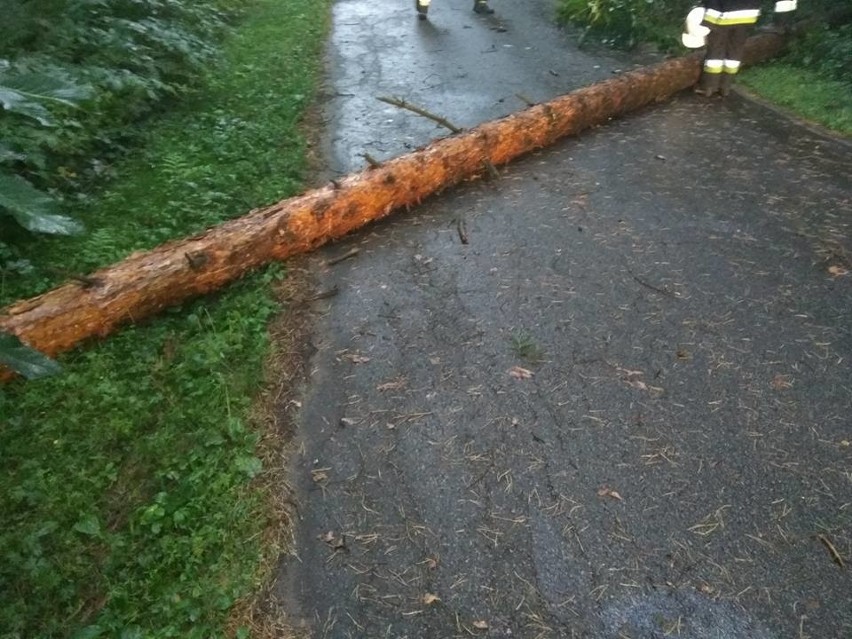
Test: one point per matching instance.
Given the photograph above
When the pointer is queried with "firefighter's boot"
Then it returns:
(481, 6)
(725, 84)
(708, 84)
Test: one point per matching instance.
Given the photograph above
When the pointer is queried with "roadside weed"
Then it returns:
(524, 346)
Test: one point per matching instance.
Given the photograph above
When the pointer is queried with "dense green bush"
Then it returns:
(626, 22)
(129, 54)
(76, 76)
(823, 48)
(826, 51)
(133, 53)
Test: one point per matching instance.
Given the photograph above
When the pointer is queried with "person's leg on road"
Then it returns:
(714, 60)
(422, 7)
(733, 56)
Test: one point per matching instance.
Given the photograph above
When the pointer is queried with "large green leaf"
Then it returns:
(34, 209)
(25, 360)
(7, 154)
(40, 86)
(19, 103)
(24, 93)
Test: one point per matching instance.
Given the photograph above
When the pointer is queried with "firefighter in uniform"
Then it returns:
(724, 25)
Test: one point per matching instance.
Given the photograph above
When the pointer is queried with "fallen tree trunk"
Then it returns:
(146, 282)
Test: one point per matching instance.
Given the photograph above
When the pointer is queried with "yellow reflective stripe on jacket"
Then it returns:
(727, 18)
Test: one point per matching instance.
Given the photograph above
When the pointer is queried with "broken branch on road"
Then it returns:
(402, 104)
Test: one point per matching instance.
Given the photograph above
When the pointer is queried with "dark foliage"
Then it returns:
(132, 54)
(826, 48)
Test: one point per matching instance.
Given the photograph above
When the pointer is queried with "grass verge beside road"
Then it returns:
(132, 490)
(805, 93)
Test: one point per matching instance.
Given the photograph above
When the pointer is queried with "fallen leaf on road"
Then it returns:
(837, 271)
(334, 541)
(429, 599)
(355, 358)
(640, 385)
(628, 373)
(780, 382)
(394, 385)
(319, 474)
(520, 373)
(480, 625)
(606, 491)
(629, 377)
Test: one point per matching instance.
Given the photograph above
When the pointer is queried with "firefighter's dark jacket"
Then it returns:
(731, 12)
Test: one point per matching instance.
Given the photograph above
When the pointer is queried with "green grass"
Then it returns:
(524, 346)
(806, 93)
(126, 493)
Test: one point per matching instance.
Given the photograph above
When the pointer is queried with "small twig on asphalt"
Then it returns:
(525, 99)
(832, 550)
(662, 291)
(350, 253)
(462, 229)
(321, 295)
(373, 162)
(402, 104)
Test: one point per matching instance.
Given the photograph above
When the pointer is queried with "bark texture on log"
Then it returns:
(146, 282)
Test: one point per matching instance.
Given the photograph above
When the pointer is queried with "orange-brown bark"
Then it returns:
(146, 282)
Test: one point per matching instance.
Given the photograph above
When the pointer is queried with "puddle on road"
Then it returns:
(683, 615)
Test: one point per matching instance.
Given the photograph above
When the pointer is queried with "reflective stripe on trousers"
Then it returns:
(722, 66)
(725, 48)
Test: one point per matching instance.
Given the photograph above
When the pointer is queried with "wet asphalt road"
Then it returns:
(622, 409)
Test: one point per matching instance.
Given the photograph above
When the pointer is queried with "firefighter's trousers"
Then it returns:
(725, 47)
